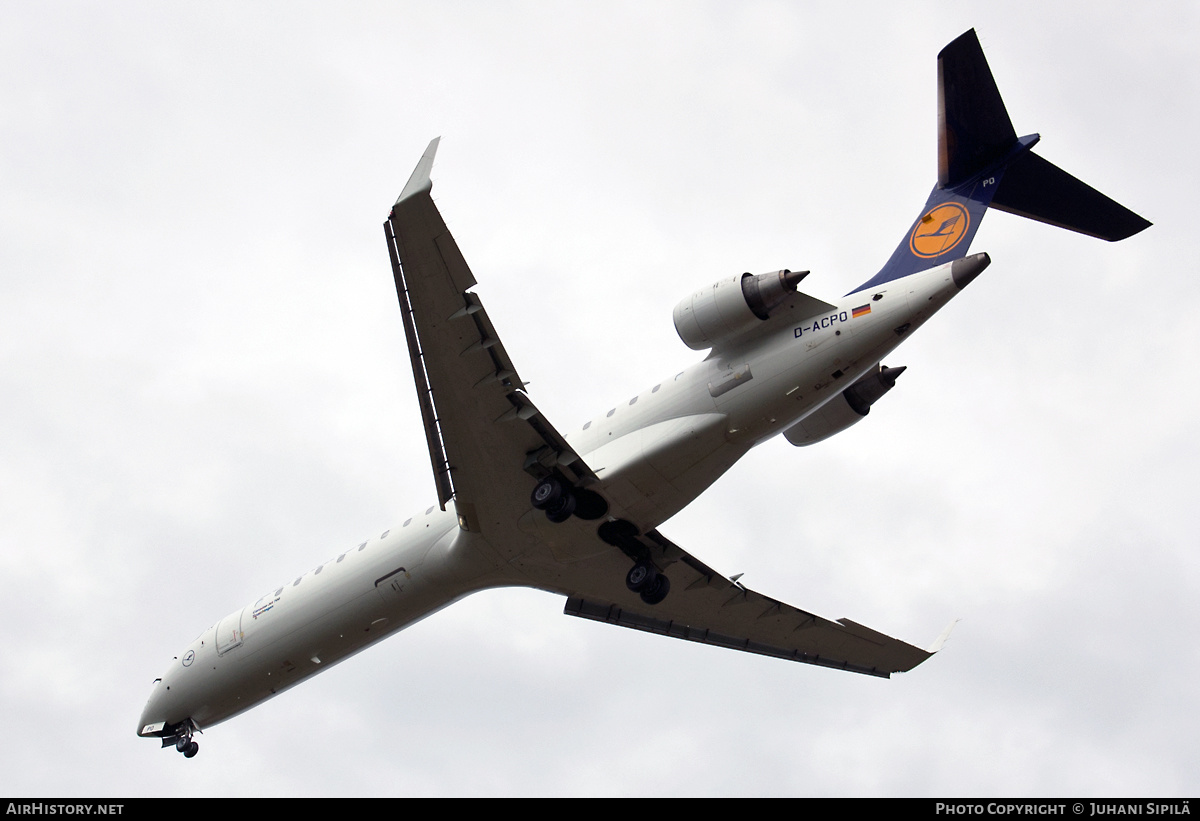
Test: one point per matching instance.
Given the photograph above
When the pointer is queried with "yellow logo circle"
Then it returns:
(939, 230)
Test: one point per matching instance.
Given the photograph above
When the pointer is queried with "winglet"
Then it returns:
(941, 640)
(419, 182)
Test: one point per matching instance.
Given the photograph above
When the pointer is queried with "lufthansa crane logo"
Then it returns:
(939, 230)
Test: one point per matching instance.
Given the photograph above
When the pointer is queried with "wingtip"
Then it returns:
(941, 640)
(420, 182)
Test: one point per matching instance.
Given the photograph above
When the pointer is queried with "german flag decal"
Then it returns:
(862, 310)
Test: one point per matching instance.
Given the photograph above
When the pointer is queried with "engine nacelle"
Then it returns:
(845, 409)
(732, 307)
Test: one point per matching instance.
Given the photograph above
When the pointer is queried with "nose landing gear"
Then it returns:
(179, 736)
(188, 747)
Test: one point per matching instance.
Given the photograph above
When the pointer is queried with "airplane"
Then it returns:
(521, 504)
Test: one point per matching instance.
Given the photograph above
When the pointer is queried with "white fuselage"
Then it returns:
(653, 455)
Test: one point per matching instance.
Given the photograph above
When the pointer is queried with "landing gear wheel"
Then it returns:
(639, 576)
(561, 510)
(548, 492)
(657, 590)
(183, 739)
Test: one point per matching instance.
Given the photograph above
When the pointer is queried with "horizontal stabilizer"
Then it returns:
(1040, 190)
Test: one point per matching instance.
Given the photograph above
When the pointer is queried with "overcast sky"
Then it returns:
(204, 389)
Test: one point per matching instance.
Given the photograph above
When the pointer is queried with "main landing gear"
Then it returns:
(561, 500)
(643, 578)
(554, 497)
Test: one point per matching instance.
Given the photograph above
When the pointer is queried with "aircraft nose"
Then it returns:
(152, 719)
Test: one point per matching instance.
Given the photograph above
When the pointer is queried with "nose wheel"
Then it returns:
(181, 736)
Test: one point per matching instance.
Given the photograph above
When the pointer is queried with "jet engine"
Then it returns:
(732, 307)
(845, 409)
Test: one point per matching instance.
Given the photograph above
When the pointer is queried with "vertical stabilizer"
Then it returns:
(982, 163)
(974, 131)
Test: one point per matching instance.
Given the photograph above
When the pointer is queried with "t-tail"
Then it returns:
(981, 164)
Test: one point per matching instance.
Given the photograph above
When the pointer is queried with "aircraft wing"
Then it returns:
(483, 431)
(705, 607)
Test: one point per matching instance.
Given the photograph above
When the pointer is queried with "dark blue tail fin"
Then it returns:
(982, 163)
